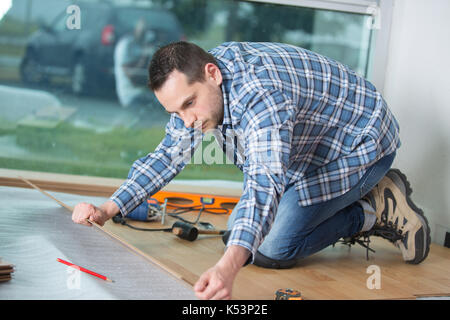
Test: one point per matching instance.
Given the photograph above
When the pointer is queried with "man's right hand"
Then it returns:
(99, 215)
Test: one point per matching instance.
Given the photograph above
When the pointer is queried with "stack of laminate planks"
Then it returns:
(6, 269)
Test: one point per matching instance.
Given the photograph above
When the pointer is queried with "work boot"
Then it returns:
(399, 220)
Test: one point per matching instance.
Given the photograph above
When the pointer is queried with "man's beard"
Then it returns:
(218, 102)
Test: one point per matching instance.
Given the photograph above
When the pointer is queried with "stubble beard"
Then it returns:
(216, 118)
(218, 102)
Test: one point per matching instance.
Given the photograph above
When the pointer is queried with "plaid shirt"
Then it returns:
(293, 118)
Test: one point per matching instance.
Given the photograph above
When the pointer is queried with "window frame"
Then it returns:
(353, 6)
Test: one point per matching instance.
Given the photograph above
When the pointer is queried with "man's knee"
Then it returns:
(266, 262)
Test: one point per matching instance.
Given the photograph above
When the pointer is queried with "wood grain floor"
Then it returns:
(337, 272)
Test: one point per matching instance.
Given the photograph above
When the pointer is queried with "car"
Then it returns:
(85, 56)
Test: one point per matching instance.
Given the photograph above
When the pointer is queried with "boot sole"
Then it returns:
(424, 246)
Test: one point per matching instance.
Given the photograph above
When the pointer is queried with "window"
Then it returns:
(62, 107)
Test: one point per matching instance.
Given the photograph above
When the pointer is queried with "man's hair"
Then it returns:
(185, 57)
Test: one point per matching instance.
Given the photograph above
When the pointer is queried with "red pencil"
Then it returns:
(84, 270)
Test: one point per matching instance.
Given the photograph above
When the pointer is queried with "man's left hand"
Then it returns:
(217, 282)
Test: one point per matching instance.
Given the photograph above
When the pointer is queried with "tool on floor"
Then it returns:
(148, 210)
(188, 232)
(180, 200)
(163, 221)
(288, 294)
(84, 270)
(151, 210)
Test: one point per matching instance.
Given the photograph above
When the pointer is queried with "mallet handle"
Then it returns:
(179, 231)
(210, 231)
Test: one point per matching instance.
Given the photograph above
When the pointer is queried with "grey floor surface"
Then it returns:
(35, 231)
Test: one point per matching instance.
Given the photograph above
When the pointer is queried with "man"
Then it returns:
(131, 56)
(315, 142)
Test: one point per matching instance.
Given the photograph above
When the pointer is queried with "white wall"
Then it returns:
(417, 88)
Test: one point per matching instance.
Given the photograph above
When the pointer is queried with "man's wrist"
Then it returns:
(234, 258)
(110, 208)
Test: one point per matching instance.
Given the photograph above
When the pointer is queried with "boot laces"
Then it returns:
(386, 230)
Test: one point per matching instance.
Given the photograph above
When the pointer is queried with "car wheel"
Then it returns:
(30, 71)
(79, 78)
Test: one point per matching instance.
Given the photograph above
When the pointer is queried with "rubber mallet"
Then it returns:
(188, 232)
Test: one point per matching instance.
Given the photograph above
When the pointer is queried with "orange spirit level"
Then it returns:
(187, 200)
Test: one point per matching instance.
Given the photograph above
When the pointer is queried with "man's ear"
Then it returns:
(212, 73)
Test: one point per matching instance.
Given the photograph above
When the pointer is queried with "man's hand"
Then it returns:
(217, 282)
(99, 215)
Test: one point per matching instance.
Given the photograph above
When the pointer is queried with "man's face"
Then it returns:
(200, 102)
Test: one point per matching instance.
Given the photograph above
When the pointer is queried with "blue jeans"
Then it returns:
(299, 232)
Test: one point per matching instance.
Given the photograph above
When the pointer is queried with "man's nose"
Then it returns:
(188, 119)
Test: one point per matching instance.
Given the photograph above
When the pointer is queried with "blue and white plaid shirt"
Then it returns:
(293, 117)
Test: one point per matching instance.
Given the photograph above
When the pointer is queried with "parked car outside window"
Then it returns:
(85, 57)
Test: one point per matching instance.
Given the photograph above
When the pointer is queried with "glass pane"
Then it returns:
(75, 100)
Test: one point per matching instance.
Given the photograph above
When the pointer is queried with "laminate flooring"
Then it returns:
(34, 231)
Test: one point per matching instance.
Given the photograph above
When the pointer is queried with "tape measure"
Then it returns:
(288, 294)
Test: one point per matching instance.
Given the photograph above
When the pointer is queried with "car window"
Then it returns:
(156, 19)
(89, 16)
(93, 16)
(59, 24)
